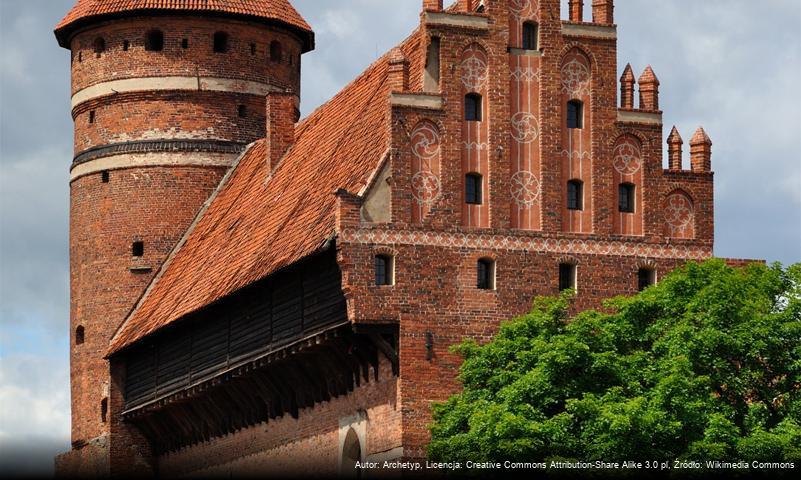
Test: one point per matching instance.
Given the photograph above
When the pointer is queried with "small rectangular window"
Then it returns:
(575, 195)
(91, 116)
(384, 266)
(253, 49)
(530, 36)
(104, 176)
(126, 45)
(472, 107)
(626, 198)
(645, 278)
(472, 189)
(241, 111)
(575, 114)
(567, 276)
(485, 273)
(138, 249)
(185, 43)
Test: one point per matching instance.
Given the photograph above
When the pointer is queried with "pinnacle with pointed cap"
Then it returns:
(701, 151)
(649, 90)
(648, 76)
(700, 137)
(674, 149)
(627, 88)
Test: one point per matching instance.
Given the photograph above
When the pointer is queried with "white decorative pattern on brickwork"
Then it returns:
(477, 146)
(525, 127)
(575, 78)
(522, 243)
(627, 157)
(474, 68)
(523, 8)
(425, 141)
(576, 155)
(679, 215)
(426, 187)
(526, 74)
(525, 188)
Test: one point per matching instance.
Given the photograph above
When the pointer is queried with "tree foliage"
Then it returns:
(704, 365)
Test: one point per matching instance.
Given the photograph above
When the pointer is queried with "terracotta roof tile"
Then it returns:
(254, 226)
(277, 10)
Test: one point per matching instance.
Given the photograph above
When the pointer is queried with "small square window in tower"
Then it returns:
(645, 278)
(384, 270)
(472, 189)
(575, 195)
(485, 273)
(472, 107)
(154, 41)
(138, 249)
(567, 276)
(626, 198)
(575, 114)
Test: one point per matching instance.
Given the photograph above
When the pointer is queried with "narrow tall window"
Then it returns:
(472, 107)
(276, 51)
(220, 42)
(384, 266)
(485, 273)
(567, 276)
(625, 201)
(575, 195)
(104, 410)
(185, 43)
(575, 114)
(530, 36)
(91, 116)
(79, 335)
(154, 42)
(645, 278)
(253, 49)
(104, 176)
(126, 45)
(138, 249)
(472, 189)
(100, 46)
(241, 111)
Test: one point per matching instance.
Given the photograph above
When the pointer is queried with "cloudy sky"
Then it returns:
(733, 66)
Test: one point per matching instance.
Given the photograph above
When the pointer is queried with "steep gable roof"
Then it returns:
(255, 226)
(280, 11)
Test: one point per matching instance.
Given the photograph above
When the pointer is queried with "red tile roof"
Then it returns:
(254, 226)
(275, 10)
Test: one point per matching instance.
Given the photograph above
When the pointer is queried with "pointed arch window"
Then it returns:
(575, 114)
(472, 107)
(530, 36)
(154, 41)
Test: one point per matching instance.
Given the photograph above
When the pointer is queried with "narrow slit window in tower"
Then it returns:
(185, 43)
(91, 116)
(154, 42)
(104, 176)
(138, 249)
(126, 45)
(253, 49)
(104, 410)
(79, 335)
(220, 42)
(276, 51)
(100, 46)
(241, 111)
(575, 114)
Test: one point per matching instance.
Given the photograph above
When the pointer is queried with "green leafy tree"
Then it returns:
(704, 365)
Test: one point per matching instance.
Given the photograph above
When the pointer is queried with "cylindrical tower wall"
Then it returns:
(155, 130)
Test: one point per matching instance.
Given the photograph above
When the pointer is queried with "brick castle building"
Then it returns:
(255, 293)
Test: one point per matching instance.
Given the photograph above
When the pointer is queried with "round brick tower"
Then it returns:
(165, 96)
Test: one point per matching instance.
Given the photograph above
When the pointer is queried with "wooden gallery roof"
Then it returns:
(256, 224)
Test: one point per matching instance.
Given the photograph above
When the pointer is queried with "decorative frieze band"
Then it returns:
(524, 243)
(150, 146)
